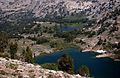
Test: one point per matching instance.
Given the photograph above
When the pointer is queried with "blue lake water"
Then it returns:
(99, 67)
(69, 28)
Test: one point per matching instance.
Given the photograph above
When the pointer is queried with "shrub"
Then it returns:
(51, 66)
(3, 41)
(28, 55)
(4, 55)
(12, 66)
(42, 40)
(50, 76)
(65, 63)
(84, 71)
(91, 34)
(117, 54)
(13, 49)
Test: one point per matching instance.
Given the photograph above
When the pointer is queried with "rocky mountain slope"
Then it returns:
(15, 15)
(17, 69)
(106, 13)
(53, 8)
(105, 35)
(100, 7)
(44, 7)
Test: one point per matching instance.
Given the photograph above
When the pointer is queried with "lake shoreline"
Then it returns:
(103, 55)
(87, 58)
(99, 55)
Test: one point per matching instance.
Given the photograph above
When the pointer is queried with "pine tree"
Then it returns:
(65, 63)
(28, 55)
(84, 71)
(13, 49)
(3, 41)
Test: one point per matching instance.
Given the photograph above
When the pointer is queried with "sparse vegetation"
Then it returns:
(42, 40)
(50, 76)
(117, 54)
(84, 71)
(51, 66)
(68, 36)
(28, 55)
(4, 55)
(62, 45)
(91, 34)
(13, 49)
(65, 63)
(12, 66)
(3, 41)
(2, 72)
(100, 31)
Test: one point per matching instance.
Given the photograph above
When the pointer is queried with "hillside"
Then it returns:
(105, 35)
(16, 69)
(41, 8)
(29, 28)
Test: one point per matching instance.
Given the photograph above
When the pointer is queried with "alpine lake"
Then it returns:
(99, 67)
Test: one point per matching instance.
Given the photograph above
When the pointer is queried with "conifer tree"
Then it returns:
(28, 55)
(84, 71)
(13, 49)
(65, 63)
(3, 41)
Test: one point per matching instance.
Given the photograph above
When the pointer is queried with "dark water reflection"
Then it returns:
(99, 67)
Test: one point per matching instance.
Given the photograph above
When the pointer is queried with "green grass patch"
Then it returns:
(12, 66)
(51, 66)
(59, 45)
(73, 18)
(80, 24)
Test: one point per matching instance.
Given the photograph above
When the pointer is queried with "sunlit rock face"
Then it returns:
(16, 69)
(44, 7)
(107, 26)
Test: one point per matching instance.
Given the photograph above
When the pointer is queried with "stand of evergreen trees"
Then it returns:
(13, 49)
(65, 63)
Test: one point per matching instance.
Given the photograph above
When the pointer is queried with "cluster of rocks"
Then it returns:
(100, 7)
(44, 7)
(106, 31)
(16, 69)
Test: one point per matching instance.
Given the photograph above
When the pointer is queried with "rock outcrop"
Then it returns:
(41, 8)
(16, 69)
(105, 35)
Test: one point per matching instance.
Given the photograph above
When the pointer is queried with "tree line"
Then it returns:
(66, 63)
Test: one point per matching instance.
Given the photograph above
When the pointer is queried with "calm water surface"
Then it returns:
(99, 67)
(69, 28)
